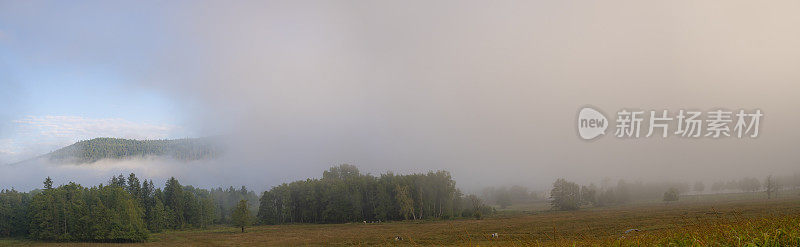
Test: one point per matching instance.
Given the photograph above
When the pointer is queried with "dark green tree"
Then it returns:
(174, 203)
(14, 213)
(157, 217)
(48, 183)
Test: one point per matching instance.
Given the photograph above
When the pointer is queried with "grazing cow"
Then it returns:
(398, 238)
(495, 235)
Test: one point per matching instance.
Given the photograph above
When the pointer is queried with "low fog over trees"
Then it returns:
(507, 196)
(116, 148)
(770, 184)
(566, 195)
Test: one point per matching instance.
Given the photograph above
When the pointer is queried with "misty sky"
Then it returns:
(486, 90)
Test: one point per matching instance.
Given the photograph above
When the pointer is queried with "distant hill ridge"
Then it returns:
(90, 151)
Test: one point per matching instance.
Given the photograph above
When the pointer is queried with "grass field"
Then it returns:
(717, 222)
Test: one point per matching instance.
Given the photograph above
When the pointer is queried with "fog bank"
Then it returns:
(488, 91)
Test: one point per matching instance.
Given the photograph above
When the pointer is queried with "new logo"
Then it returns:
(591, 123)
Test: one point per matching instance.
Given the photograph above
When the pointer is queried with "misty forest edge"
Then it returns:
(128, 210)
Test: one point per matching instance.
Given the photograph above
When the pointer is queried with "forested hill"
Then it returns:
(114, 148)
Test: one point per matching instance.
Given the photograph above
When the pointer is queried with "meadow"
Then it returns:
(712, 220)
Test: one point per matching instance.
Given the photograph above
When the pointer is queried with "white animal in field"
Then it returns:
(631, 230)
(495, 235)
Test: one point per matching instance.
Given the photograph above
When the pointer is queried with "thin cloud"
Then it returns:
(36, 135)
(6, 147)
(75, 127)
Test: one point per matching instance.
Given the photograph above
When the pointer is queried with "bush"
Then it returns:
(671, 195)
(565, 195)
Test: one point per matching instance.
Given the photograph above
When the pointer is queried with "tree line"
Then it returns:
(123, 210)
(566, 195)
(127, 209)
(345, 195)
(90, 151)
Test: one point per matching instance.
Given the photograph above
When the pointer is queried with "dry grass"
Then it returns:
(737, 223)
